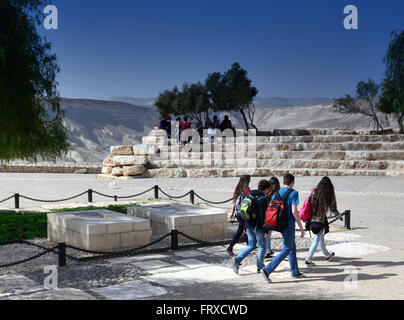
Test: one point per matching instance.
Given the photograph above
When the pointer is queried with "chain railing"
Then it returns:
(90, 192)
(60, 249)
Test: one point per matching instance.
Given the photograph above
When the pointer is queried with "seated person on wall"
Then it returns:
(185, 125)
(216, 123)
(165, 124)
(226, 124)
(211, 132)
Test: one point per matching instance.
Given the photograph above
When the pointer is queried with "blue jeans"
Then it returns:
(268, 241)
(288, 249)
(254, 236)
(318, 238)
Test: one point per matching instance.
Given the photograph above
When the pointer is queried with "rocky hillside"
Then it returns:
(94, 125)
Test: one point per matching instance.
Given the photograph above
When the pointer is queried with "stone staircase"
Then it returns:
(313, 153)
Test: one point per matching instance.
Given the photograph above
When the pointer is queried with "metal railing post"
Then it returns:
(347, 219)
(90, 195)
(192, 196)
(174, 239)
(17, 200)
(156, 192)
(61, 254)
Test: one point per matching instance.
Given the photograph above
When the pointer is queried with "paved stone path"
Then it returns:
(179, 274)
(372, 253)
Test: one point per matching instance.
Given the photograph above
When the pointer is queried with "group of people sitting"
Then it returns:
(185, 124)
(322, 201)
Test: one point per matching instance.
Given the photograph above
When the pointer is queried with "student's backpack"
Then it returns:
(305, 211)
(237, 207)
(276, 216)
(249, 208)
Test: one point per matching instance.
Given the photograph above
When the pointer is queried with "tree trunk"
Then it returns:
(207, 119)
(400, 122)
(244, 118)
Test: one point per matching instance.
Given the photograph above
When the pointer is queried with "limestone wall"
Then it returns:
(301, 152)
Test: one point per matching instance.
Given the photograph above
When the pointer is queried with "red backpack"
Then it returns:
(276, 217)
(305, 211)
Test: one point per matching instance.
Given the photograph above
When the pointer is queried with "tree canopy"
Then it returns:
(231, 91)
(365, 102)
(392, 100)
(192, 101)
(31, 120)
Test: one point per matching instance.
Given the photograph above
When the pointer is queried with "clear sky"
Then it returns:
(290, 48)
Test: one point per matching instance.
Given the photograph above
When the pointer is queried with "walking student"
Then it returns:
(289, 244)
(322, 200)
(275, 186)
(242, 190)
(255, 227)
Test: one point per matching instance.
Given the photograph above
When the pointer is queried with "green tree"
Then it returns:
(31, 120)
(193, 101)
(232, 91)
(392, 100)
(365, 102)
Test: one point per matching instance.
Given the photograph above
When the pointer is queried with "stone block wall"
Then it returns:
(332, 152)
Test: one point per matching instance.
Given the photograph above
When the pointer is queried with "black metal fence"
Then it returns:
(60, 248)
(90, 192)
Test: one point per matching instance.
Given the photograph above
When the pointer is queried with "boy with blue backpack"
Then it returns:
(252, 212)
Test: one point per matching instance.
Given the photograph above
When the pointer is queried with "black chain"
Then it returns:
(136, 195)
(103, 195)
(122, 197)
(119, 252)
(193, 239)
(332, 221)
(5, 243)
(7, 199)
(213, 202)
(175, 197)
(59, 200)
(29, 259)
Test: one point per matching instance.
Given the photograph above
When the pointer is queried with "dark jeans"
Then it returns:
(238, 234)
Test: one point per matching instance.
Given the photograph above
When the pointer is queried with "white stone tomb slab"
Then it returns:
(197, 222)
(98, 229)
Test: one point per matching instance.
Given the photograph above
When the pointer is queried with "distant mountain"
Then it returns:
(260, 102)
(95, 125)
(144, 102)
(265, 102)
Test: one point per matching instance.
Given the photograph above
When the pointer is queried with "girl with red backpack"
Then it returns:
(275, 186)
(242, 190)
(322, 200)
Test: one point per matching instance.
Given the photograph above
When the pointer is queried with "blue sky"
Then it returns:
(290, 48)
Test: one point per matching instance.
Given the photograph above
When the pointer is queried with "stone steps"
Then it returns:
(293, 146)
(264, 172)
(282, 163)
(330, 139)
(318, 154)
(315, 154)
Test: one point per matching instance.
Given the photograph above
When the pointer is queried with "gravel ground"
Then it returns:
(101, 272)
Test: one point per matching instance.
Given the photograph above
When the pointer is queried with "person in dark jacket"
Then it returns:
(255, 228)
(242, 190)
